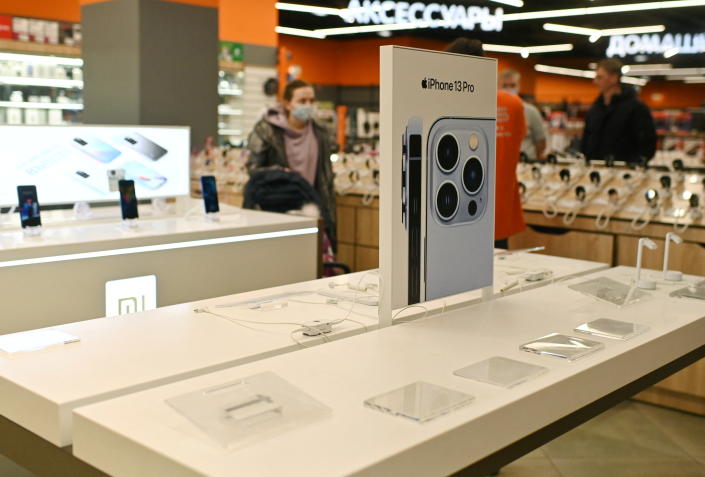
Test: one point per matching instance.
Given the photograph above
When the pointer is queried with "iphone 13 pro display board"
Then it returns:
(69, 164)
(438, 119)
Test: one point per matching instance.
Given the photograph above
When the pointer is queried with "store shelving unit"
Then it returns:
(40, 83)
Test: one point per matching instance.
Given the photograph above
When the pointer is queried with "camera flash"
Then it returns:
(474, 141)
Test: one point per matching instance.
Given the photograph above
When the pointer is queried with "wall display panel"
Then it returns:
(71, 164)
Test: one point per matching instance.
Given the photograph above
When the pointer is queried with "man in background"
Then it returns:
(511, 129)
(618, 124)
(534, 143)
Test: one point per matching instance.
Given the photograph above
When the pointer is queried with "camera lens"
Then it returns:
(472, 208)
(447, 200)
(447, 153)
(472, 175)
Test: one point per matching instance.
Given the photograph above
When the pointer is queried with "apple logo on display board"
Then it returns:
(424, 83)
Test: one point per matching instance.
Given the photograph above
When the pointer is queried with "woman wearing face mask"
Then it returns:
(287, 137)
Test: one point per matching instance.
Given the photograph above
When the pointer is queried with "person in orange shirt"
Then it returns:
(511, 129)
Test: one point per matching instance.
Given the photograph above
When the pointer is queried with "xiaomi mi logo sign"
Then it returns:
(130, 295)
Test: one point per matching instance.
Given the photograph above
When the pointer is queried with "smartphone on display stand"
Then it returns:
(459, 234)
(29, 209)
(128, 201)
(95, 148)
(144, 146)
(209, 190)
(411, 203)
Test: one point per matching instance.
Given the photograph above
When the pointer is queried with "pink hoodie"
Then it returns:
(301, 146)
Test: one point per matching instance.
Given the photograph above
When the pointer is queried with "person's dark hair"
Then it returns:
(466, 46)
(293, 86)
(612, 66)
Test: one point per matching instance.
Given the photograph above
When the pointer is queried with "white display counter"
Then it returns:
(140, 434)
(62, 275)
(117, 356)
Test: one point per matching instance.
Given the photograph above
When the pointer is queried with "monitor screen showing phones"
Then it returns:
(128, 200)
(210, 194)
(71, 164)
(28, 206)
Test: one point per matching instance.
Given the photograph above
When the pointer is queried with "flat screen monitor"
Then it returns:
(71, 164)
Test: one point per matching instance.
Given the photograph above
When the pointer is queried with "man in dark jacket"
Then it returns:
(288, 138)
(618, 124)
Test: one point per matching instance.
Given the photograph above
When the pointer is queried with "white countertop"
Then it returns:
(120, 355)
(107, 234)
(139, 434)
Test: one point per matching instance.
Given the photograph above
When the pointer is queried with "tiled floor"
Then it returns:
(631, 440)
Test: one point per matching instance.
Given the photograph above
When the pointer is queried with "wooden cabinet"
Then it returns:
(358, 232)
(591, 246)
(687, 257)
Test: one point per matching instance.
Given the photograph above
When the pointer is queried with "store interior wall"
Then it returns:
(355, 63)
(151, 62)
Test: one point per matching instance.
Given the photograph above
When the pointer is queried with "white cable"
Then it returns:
(302, 326)
(409, 307)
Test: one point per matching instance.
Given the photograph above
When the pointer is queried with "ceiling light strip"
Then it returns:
(606, 32)
(526, 50)
(630, 7)
(316, 10)
(371, 28)
(299, 32)
(583, 74)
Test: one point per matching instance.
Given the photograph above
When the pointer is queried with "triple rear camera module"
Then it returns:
(448, 157)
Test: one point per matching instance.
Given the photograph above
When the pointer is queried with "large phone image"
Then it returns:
(459, 234)
(29, 206)
(143, 175)
(412, 165)
(144, 146)
(95, 148)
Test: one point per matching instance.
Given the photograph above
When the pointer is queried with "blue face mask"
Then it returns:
(303, 112)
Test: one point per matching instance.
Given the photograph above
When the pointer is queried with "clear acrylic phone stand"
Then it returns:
(696, 290)
(500, 371)
(241, 412)
(419, 401)
(130, 223)
(6, 216)
(612, 329)
(32, 231)
(82, 210)
(562, 346)
(160, 206)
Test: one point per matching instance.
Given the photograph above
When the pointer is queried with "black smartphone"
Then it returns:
(411, 207)
(128, 199)
(209, 191)
(29, 206)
